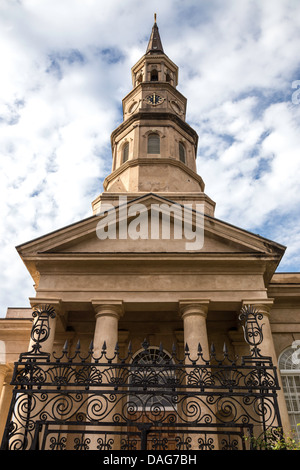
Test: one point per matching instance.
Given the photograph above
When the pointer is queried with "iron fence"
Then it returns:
(152, 400)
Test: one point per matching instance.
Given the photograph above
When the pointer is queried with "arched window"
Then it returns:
(153, 144)
(153, 369)
(154, 75)
(125, 152)
(181, 152)
(289, 366)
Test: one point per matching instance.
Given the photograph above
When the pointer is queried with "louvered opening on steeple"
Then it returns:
(153, 144)
(154, 75)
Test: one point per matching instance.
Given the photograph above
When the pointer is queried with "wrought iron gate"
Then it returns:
(154, 401)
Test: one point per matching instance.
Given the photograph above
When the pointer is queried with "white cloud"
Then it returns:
(65, 67)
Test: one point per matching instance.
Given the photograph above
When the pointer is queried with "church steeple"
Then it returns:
(154, 150)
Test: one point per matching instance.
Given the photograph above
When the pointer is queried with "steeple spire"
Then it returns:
(155, 44)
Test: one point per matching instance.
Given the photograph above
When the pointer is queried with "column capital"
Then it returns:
(193, 307)
(262, 305)
(113, 308)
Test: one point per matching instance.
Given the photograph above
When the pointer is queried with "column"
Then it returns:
(45, 313)
(267, 349)
(108, 314)
(6, 371)
(194, 314)
(103, 408)
(3, 370)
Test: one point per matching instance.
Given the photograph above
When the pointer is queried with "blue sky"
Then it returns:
(65, 67)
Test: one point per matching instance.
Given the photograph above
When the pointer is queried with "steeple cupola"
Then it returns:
(155, 65)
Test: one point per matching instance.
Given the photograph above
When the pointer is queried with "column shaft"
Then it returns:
(108, 314)
(196, 411)
(106, 329)
(6, 372)
(194, 315)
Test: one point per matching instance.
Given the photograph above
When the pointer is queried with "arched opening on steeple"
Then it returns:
(153, 143)
(182, 152)
(125, 152)
(154, 75)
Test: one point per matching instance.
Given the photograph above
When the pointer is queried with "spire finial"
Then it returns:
(154, 17)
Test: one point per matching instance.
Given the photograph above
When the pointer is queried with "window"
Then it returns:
(125, 152)
(289, 366)
(153, 144)
(154, 75)
(152, 368)
(181, 152)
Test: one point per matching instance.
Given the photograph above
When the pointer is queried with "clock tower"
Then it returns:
(154, 150)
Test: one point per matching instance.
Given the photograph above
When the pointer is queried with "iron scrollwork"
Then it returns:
(253, 334)
(163, 400)
(40, 331)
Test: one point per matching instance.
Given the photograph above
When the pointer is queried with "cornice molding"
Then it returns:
(151, 161)
(157, 116)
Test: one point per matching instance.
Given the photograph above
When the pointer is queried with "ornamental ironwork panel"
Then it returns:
(152, 400)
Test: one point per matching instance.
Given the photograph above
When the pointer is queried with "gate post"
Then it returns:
(45, 313)
(267, 348)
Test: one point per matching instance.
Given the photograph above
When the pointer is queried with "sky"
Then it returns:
(65, 67)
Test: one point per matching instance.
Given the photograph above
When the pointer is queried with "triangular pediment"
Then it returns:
(140, 229)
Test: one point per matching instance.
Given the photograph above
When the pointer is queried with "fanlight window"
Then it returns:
(289, 366)
(125, 152)
(150, 372)
(181, 152)
(153, 144)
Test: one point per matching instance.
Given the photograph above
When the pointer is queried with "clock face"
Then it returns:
(154, 99)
